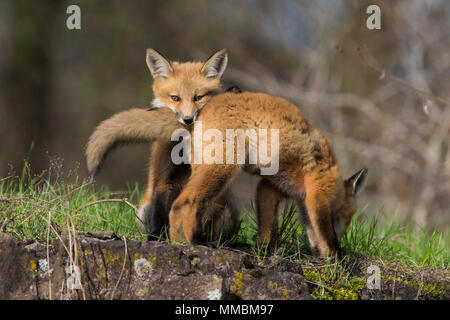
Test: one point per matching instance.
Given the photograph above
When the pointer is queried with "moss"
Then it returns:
(171, 257)
(286, 294)
(152, 260)
(33, 267)
(137, 256)
(110, 259)
(101, 278)
(195, 260)
(349, 289)
(435, 289)
(280, 290)
(223, 258)
(82, 261)
(311, 275)
(238, 283)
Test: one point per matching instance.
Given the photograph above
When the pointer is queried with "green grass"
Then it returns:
(36, 210)
(33, 209)
(401, 240)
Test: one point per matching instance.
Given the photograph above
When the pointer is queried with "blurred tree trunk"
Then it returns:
(27, 79)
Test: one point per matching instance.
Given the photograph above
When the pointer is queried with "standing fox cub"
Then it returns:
(308, 170)
(184, 88)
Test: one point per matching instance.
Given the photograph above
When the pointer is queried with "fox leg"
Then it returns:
(268, 199)
(228, 222)
(165, 182)
(207, 182)
(224, 217)
(152, 208)
(319, 228)
(306, 223)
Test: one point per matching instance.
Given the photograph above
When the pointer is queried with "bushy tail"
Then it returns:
(131, 126)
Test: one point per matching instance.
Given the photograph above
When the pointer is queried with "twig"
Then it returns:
(3, 226)
(57, 234)
(75, 248)
(401, 81)
(107, 200)
(123, 268)
(48, 257)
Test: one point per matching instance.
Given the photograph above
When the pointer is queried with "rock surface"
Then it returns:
(16, 275)
(397, 290)
(104, 267)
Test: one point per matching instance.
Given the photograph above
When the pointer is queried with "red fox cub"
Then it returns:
(307, 172)
(184, 88)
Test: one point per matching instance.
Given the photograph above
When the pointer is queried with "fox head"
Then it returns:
(343, 213)
(185, 87)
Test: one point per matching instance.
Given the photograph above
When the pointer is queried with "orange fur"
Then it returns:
(125, 127)
(308, 170)
(268, 198)
(193, 83)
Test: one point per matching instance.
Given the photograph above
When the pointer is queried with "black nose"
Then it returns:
(188, 120)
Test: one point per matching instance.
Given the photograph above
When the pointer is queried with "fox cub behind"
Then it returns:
(183, 88)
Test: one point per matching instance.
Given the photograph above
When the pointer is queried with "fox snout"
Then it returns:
(188, 117)
(186, 120)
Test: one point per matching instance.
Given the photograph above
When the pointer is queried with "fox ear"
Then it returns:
(356, 181)
(157, 64)
(215, 65)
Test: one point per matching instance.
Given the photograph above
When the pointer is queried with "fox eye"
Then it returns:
(175, 98)
(198, 98)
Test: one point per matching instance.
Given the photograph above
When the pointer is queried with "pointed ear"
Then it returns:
(356, 181)
(157, 64)
(216, 64)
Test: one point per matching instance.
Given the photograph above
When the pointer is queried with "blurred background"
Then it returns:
(380, 95)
